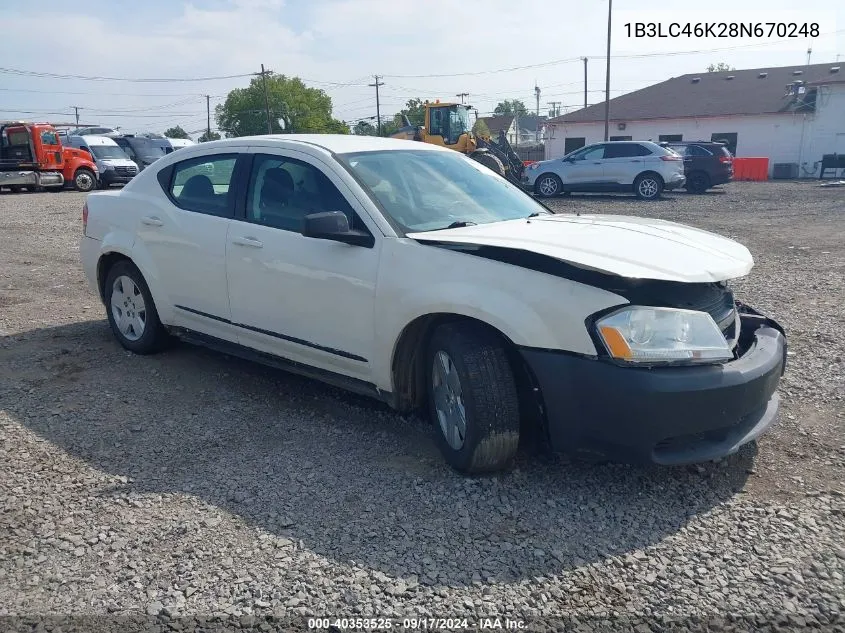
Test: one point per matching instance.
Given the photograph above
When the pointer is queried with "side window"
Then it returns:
(697, 150)
(204, 184)
(625, 150)
(439, 122)
(282, 191)
(593, 153)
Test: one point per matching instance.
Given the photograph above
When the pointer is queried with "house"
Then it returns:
(793, 115)
(530, 128)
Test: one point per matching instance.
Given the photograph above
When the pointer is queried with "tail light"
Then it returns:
(671, 157)
(725, 159)
(85, 218)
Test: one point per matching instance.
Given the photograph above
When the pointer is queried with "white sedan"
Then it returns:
(413, 274)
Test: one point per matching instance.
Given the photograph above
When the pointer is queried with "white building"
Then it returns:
(792, 115)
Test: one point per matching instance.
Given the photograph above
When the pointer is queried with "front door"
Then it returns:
(305, 299)
(184, 235)
(584, 167)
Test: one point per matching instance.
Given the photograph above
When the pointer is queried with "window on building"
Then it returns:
(728, 138)
(671, 138)
(621, 138)
(571, 143)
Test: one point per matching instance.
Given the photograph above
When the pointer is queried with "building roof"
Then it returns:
(733, 92)
(531, 122)
(498, 122)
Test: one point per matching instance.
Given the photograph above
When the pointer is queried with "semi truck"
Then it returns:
(32, 158)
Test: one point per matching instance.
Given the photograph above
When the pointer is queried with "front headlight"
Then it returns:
(641, 334)
(107, 167)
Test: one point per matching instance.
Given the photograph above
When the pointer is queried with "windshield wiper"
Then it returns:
(537, 214)
(459, 224)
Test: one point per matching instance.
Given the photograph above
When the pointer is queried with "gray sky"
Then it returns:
(338, 45)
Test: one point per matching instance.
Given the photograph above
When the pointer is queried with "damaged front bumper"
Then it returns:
(665, 415)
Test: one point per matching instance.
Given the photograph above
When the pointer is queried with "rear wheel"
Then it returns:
(648, 186)
(472, 398)
(131, 312)
(698, 182)
(84, 180)
(548, 185)
(490, 162)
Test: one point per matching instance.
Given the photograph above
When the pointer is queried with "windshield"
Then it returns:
(146, 148)
(108, 151)
(430, 190)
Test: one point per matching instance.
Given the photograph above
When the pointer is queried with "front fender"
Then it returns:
(530, 308)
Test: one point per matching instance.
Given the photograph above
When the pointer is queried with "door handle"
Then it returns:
(247, 241)
(151, 220)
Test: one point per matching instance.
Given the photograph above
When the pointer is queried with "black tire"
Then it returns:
(488, 395)
(548, 186)
(648, 186)
(491, 162)
(154, 337)
(698, 182)
(84, 180)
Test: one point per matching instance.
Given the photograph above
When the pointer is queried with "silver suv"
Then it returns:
(643, 167)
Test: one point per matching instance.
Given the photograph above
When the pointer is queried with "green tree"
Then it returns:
(511, 106)
(415, 111)
(720, 67)
(364, 128)
(176, 132)
(302, 109)
(214, 136)
(480, 128)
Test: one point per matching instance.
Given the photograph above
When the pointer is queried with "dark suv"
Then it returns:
(706, 163)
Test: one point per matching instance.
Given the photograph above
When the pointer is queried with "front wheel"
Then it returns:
(491, 162)
(84, 180)
(548, 185)
(648, 186)
(473, 398)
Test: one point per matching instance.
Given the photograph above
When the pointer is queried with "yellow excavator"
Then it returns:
(448, 125)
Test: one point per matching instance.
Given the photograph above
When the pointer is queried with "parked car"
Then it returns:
(641, 167)
(168, 144)
(141, 150)
(114, 165)
(706, 163)
(413, 274)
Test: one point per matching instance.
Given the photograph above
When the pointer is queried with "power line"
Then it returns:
(33, 73)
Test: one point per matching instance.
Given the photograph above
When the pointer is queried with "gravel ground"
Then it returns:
(189, 483)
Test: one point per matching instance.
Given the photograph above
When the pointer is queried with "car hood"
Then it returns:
(620, 245)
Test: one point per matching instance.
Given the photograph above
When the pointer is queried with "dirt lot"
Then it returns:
(189, 483)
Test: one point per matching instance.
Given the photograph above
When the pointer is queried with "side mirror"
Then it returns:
(334, 226)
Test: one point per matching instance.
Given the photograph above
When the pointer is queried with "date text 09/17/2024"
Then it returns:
(722, 29)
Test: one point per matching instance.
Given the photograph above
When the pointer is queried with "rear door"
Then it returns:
(623, 162)
(184, 234)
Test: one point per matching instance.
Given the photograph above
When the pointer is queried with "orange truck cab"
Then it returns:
(32, 157)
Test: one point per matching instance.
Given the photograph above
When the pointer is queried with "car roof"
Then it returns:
(335, 143)
(96, 139)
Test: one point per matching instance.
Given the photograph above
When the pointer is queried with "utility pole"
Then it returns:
(266, 100)
(809, 52)
(537, 121)
(555, 108)
(462, 95)
(208, 115)
(76, 109)
(585, 82)
(378, 106)
(607, 76)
